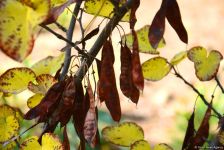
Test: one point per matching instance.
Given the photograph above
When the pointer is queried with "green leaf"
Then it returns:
(178, 58)
(162, 146)
(9, 123)
(155, 68)
(17, 28)
(123, 134)
(48, 65)
(140, 145)
(144, 44)
(206, 64)
(103, 8)
(15, 80)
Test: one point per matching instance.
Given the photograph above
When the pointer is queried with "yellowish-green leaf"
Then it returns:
(162, 146)
(49, 142)
(140, 145)
(44, 82)
(143, 41)
(34, 100)
(123, 134)
(48, 65)
(55, 3)
(17, 29)
(10, 146)
(16, 80)
(103, 8)
(178, 58)
(221, 137)
(9, 123)
(155, 68)
(206, 64)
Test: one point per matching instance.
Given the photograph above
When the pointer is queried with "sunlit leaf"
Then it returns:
(48, 65)
(155, 68)
(103, 8)
(123, 134)
(9, 123)
(162, 146)
(140, 145)
(44, 82)
(178, 57)
(17, 29)
(143, 42)
(15, 80)
(34, 100)
(206, 64)
(49, 142)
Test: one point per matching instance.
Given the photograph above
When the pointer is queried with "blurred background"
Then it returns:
(164, 106)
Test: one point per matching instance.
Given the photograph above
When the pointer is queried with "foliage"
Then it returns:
(62, 95)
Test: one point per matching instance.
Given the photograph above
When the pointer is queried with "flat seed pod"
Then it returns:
(103, 8)
(162, 146)
(34, 100)
(9, 123)
(155, 68)
(178, 57)
(44, 82)
(49, 142)
(17, 29)
(206, 64)
(123, 134)
(140, 145)
(15, 80)
(143, 42)
(48, 65)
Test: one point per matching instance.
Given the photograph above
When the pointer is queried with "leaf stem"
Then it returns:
(219, 84)
(69, 34)
(199, 94)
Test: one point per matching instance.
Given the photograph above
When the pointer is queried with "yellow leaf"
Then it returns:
(48, 65)
(123, 134)
(140, 145)
(143, 41)
(103, 8)
(206, 64)
(55, 3)
(49, 142)
(9, 123)
(162, 146)
(9, 146)
(178, 57)
(16, 80)
(34, 100)
(17, 29)
(155, 68)
(44, 82)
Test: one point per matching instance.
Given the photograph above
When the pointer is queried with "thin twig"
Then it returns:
(219, 84)
(69, 34)
(103, 37)
(199, 94)
(60, 27)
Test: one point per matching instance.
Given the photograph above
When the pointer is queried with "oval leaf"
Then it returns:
(103, 8)
(206, 65)
(124, 134)
(140, 145)
(34, 100)
(162, 146)
(9, 123)
(143, 42)
(48, 65)
(15, 80)
(178, 57)
(155, 68)
(17, 29)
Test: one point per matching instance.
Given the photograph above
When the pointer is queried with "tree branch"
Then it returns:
(102, 38)
(199, 94)
(69, 33)
(219, 84)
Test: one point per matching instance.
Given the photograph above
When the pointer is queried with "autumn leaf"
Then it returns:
(140, 145)
(178, 58)
(162, 146)
(206, 64)
(17, 29)
(123, 134)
